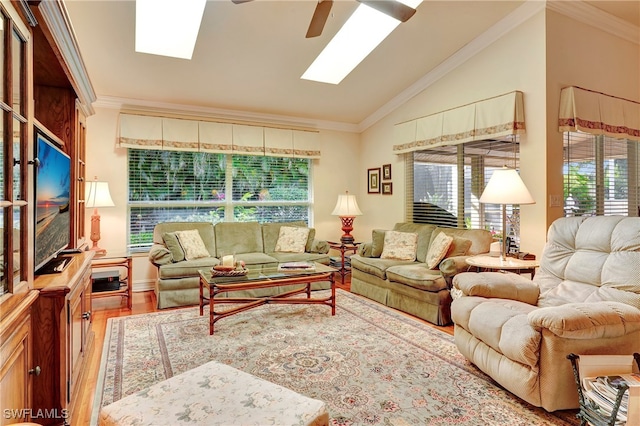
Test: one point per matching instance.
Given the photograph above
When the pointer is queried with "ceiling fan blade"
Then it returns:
(320, 15)
(395, 9)
(240, 1)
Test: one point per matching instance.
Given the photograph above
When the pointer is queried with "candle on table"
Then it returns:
(227, 260)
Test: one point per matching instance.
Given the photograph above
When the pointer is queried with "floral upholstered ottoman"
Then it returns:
(215, 394)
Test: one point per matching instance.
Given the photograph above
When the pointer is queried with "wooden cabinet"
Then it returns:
(16, 365)
(62, 336)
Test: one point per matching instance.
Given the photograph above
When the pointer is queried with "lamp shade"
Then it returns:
(97, 195)
(506, 187)
(346, 206)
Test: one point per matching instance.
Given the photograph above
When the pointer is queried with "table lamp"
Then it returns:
(97, 195)
(505, 187)
(347, 209)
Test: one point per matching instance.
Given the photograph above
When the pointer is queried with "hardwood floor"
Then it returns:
(111, 307)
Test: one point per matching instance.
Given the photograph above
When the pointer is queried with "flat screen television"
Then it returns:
(53, 186)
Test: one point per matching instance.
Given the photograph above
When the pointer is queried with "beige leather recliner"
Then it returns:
(584, 299)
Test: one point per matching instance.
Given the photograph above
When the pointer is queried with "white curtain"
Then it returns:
(489, 118)
(597, 113)
(151, 132)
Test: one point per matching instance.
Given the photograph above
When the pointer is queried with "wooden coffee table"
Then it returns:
(259, 278)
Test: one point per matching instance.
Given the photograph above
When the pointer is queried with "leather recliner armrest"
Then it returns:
(587, 320)
(498, 285)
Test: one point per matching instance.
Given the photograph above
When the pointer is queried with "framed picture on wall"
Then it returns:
(387, 188)
(386, 172)
(373, 179)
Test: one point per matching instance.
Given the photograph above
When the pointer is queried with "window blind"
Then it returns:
(200, 186)
(444, 185)
(600, 175)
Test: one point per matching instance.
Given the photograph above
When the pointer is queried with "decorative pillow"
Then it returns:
(292, 239)
(399, 245)
(459, 247)
(172, 243)
(192, 244)
(438, 250)
(377, 242)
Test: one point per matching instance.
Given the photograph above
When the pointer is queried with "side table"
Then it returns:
(489, 263)
(343, 267)
(118, 261)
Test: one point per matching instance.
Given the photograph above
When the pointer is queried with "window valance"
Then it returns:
(490, 118)
(596, 113)
(162, 133)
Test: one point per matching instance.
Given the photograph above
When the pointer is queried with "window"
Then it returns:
(447, 182)
(600, 175)
(198, 186)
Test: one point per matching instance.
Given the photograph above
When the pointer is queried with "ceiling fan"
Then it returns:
(393, 8)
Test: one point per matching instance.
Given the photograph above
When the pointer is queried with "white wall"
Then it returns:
(514, 62)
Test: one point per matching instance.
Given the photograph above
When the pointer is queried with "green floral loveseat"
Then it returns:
(415, 274)
(178, 260)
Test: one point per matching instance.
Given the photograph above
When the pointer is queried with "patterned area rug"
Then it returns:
(370, 364)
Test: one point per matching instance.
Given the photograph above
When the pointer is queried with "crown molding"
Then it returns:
(591, 15)
(55, 16)
(112, 102)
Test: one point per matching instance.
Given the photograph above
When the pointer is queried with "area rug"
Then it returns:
(370, 364)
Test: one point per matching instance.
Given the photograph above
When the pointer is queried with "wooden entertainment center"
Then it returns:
(45, 321)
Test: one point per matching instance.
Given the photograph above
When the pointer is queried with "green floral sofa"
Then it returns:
(417, 280)
(256, 244)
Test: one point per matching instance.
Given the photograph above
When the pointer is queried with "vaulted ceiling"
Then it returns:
(249, 57)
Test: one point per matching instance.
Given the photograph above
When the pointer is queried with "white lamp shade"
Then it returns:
(97, 195)
(346, 206)
(506, 187)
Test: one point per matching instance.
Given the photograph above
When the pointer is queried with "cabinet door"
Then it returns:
(87, 314)
(14, 373)
(75, 342)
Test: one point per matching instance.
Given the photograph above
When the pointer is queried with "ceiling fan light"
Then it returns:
(168, 27)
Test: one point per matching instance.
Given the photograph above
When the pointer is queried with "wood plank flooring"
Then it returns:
(143, 302)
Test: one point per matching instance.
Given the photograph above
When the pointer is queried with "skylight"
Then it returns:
(363, 32)
(168, 27)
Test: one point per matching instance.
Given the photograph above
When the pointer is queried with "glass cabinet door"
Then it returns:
(13, 157)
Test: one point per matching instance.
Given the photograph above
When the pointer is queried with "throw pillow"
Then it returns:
(377, 242)
(192, 244)
(399, 245)
(171, 241)
(292, 239)
(459, 247)
(438, 250)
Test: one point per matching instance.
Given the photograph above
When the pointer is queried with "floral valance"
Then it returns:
(151, 132)
(596, 113)
(490, 118)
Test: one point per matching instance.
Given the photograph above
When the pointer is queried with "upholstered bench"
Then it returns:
(215, 394)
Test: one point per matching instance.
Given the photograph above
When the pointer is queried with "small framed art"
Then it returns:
(373, 179)
(387, 188)
(386, 172)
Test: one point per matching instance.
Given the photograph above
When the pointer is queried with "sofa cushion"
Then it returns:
(271, 232)
(292, 239)
(459, 247)
(172, 243)
(237, 238)
(192, 244)
(424, 232)
(481, 239)
(186, 268)
(418, 276)
(301, 257)
(375, 265)
(377, 242)
(256, 259)
(438, 249)
(399, 245)
(204, 228)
